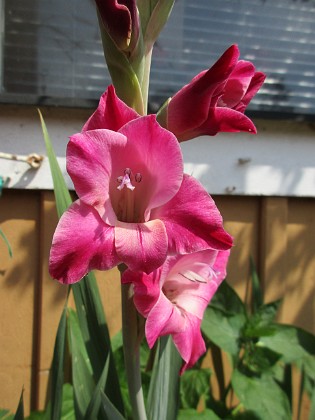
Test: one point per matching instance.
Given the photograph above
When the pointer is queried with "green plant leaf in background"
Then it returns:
(292, 342)
(164, 386)
(62, 195)
(109, 409)
(96, 400)
(262, 395)
(257, 292)
(190, 414)
(7, 244)
(5, 414)
(261, 322)
(224, 320)
(57, 369)
(82, 374)
(194, 385)
(19, 414)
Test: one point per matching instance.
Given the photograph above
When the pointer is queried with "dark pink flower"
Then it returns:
(121, 21)
(174, 297)
(135, 205)
(215, 100)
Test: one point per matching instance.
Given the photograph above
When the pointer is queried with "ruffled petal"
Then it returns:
(237, 84)
(254, 86)
(82, 242)
(146, 289)
(141, 246)
(192, 220)
(163, 319)
(229, 121)
(90, 158)
(190, 343)
(111, 113)
(220, 266)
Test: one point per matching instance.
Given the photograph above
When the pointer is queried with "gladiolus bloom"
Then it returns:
(174, 297)
(121, 21)
(215, 100)
(135, 205)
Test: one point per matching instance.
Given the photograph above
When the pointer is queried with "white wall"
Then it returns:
(280, 160)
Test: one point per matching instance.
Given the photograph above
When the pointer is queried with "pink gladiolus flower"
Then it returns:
(121, 21)
(174, 297)
(215, 100)
(135, 205)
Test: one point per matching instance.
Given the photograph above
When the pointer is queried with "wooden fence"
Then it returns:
(278, 232)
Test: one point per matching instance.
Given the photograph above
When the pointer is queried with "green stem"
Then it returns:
(146, 79)
(132, 352)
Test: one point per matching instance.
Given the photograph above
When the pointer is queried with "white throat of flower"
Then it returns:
(127, 200)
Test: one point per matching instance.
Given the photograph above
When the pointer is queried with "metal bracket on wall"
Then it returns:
(33, 159)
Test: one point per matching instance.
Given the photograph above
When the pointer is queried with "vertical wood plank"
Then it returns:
(299, 302)
(19, 213)
(241, 220)
(273, 247)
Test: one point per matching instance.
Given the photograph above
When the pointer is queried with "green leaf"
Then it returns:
(5, 414)
(158, 18)
(19, 414)
(260, 359)
(163, 398)
(227, 301)
(96, 335)
(57, 368)
(109, 409)
(312, 409)
(224, 319)
(9, 248)
(189, 414)
(223, 330)
(291, 342)
(257, 293)
(261, 322)
(96, 400)
(82, 374)
(194, 385)
(262, 395)
(67, 410)
(62, 195)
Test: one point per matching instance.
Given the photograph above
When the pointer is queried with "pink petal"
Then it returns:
(253, 88)
(228, 120)
(190, 343)
(191, 281)
(111, 113)
(82, 242)
(220, 266)
(141, 246)
(149, 151)
(192, 220)
(237, 84)
(163, 319)
(146, 289)
(89, 163)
